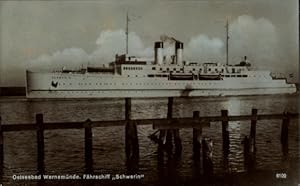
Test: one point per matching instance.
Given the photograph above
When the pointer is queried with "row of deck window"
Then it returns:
(60, 77)
(169, 83)
(209, 69)
(133, 68)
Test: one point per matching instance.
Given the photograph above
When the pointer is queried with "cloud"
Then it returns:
(255, 38)
(204, 48)
(69, 57)
(108, 44)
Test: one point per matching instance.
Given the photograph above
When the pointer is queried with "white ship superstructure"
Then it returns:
(130, 76)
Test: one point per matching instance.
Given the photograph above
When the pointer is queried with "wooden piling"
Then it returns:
(127, 126)
(225, 132)
(127, 109)
(249, 154)
(169, 137)
(284, 128)
(165, 136)
(253, 126)
(246, 143)
(170, 108)
(135, 142)
(88, 146)
(169, 141)
(131, 138)
(207, 152)
(131, 143)
(197, 134)
(1, 149)
(162, 137)
(177, 141)
(40, 143)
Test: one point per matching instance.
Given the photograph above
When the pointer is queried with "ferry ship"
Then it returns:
(130, 76)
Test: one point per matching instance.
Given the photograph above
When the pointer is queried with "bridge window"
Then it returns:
(153, 68)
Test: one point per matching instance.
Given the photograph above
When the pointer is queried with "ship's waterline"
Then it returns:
(154, 93)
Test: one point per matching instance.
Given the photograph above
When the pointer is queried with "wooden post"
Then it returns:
(1, 149)
(284, 128)
(88, 145)
(169, 136)
(253, 126)
(135, 142)
(127, 135)
(246, 143)
(131, 138)
(165, 137)
(197, 134)
(225, 132)
(127, 108)
(40, 143)
(207, 152)
(177, 141)
(162, 137)
(170, 108)
(249, 154)
(169, 141)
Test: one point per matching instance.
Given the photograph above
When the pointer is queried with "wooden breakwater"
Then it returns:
(168, 128)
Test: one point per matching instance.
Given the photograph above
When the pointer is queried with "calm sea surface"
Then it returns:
(64, 149)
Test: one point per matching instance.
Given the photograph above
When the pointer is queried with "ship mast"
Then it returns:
(227, 38)
(127, 20)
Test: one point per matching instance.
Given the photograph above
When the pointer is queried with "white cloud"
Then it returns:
(255, 38)
(204, 48)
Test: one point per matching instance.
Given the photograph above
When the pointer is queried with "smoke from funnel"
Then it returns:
(165, 38)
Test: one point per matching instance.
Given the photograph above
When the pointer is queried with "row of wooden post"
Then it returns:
(166, 136)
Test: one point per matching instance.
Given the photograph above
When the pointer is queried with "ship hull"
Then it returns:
(68, 85)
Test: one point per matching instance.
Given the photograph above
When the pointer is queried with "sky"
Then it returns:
(46, 35)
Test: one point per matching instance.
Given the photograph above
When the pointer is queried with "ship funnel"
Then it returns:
(178, 52)
(158, 52)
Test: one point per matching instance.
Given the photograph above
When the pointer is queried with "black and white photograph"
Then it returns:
(149, 92)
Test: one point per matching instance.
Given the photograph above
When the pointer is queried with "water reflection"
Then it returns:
(249, 154)
(233, 105)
